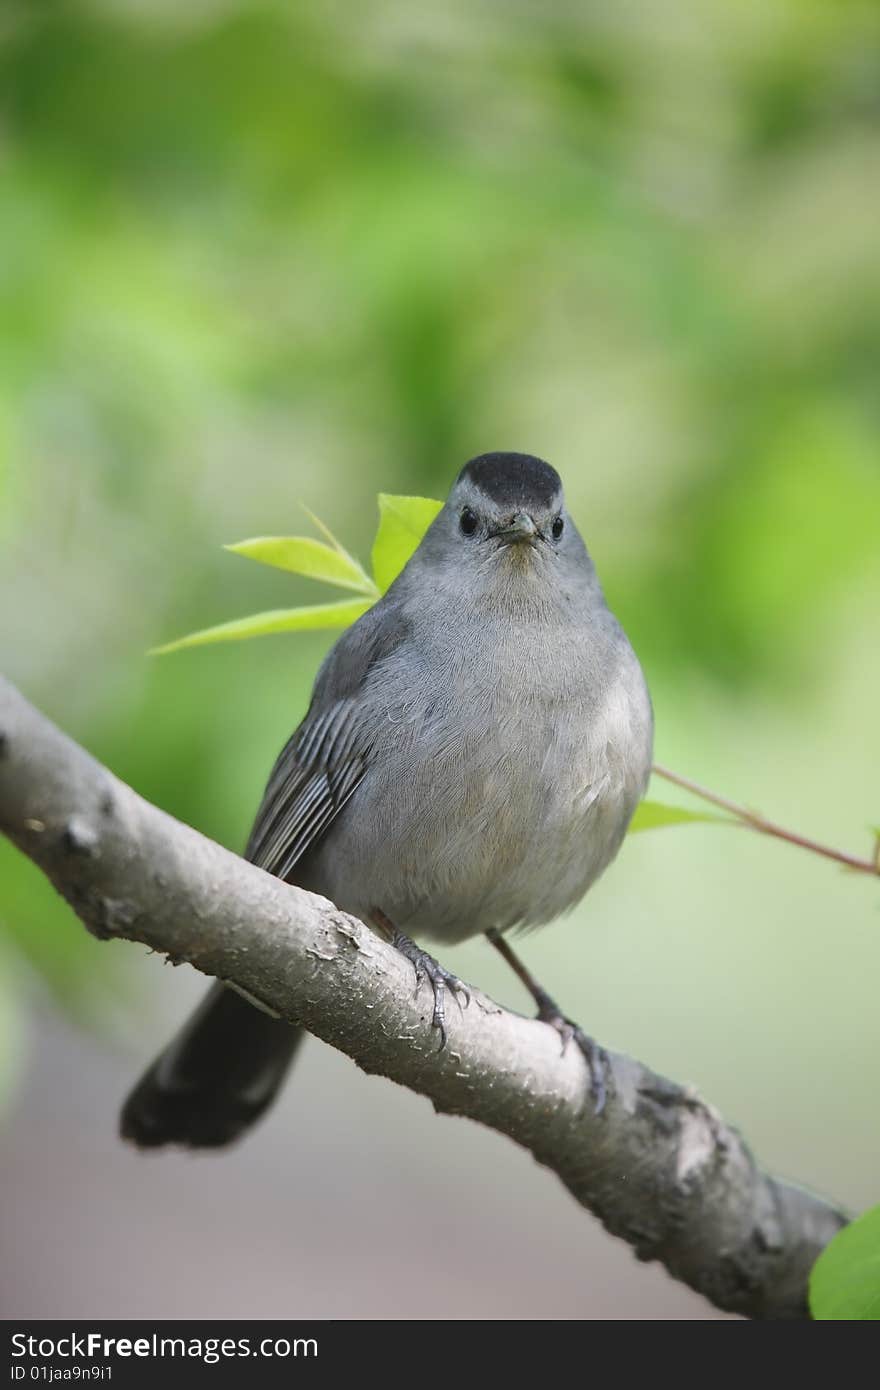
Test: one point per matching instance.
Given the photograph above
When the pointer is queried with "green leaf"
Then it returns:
(402, 523)
(304, 555)
(324, 529)
(307, 619)
(845, 1282)
(652, 815)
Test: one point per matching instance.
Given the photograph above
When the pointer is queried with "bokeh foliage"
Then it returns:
(251, 254)
(845, 1282)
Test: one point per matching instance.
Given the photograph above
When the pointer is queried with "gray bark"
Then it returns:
(660, 1168)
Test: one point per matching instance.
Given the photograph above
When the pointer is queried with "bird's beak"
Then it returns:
(521, 527)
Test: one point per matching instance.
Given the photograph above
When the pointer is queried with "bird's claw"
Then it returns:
(595, 1056)
(426, 967)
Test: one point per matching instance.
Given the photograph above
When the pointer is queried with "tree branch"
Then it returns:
(660, 1168)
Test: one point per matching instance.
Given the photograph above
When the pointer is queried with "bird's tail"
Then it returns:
(215, 1079)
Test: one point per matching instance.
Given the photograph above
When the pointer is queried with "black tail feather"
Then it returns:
(215, 1079)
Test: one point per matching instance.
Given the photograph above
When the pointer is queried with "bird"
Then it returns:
(474, 749)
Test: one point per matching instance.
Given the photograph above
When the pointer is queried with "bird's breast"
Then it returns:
(498, 792)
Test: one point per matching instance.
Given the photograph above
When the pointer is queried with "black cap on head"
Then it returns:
(512, 480)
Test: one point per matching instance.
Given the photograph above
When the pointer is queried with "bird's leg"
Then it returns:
(550, 1012)
(425, 966)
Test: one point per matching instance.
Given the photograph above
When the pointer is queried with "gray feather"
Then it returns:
(324, 760)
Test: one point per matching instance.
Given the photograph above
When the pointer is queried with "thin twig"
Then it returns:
(755, 821)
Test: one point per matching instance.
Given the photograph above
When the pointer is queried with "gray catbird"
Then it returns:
(474, 749)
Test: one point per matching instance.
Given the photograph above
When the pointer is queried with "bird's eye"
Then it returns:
(557, 528)
(468, 522)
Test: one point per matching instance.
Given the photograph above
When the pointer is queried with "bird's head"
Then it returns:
(508, 500)
(505, 533)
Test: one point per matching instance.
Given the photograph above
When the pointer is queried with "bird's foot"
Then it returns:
(425, 967)
(549, 1012)
(596, 1057)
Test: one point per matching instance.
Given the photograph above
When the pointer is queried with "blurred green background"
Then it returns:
(258, 254)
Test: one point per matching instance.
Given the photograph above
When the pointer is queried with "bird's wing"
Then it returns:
(316, 773)
(324, 760)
